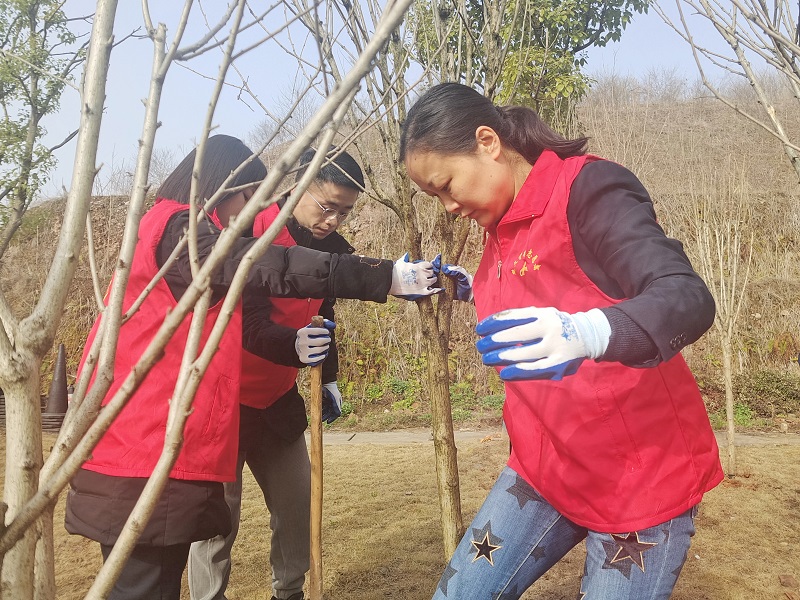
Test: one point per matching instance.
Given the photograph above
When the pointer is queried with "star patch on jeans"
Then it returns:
(485, 542)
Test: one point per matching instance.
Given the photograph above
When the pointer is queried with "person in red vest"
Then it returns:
(273, 415)
(192, 506)
(584, 305)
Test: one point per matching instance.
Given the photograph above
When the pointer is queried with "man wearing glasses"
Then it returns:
(273, 416)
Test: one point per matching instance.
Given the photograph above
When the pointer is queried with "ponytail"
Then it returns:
(445, 118)
(523, 130)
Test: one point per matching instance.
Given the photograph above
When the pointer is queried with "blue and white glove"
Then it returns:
(331, 402)
(463, 279)
(312, 343)
(542, 343)
(413, 280)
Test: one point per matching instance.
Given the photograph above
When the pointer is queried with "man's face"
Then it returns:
(324, 207)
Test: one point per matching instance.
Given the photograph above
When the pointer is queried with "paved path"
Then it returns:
(401, 437)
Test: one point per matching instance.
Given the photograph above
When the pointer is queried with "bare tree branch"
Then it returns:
(748, 30)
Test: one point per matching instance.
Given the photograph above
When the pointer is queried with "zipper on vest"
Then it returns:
(490, 238)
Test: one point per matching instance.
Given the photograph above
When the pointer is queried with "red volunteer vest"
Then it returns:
(263, 381)
(132, 445)
(613, 448)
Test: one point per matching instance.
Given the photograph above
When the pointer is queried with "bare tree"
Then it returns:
(453, 50)
(722, 216)
(299, 107)
(32, 488)
(763, 39)
(384, 108)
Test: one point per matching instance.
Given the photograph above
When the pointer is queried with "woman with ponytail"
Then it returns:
(584, 305)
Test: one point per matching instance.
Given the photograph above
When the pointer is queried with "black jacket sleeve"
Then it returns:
(275, 342)
(265, 338)
(621, 247)
(294, 272)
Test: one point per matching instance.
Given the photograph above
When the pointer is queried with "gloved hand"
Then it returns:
(542, 343)
(462, 278)
(413, 280)
(331, 402)
(312, 343)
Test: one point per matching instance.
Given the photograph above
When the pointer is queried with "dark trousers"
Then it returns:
(151, 573)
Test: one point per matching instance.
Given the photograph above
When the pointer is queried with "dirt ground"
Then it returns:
(381, 527)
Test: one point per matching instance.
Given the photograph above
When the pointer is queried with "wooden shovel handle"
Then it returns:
(315, 573)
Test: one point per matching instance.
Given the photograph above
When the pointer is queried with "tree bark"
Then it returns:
(443, 440)
(24, 344)
(44, 562)
(23, 463)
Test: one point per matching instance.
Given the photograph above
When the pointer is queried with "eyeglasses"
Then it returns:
(329, 214)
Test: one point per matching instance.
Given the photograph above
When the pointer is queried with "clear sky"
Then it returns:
(646, 44)
(185, 97)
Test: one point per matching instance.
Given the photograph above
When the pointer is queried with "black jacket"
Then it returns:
(275, 342)
(622, 249)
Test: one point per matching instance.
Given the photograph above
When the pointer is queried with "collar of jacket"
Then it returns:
(535, 193)
(333, 243)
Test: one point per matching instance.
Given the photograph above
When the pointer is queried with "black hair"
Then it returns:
(223, 154)
(342, 170)
(444, 120)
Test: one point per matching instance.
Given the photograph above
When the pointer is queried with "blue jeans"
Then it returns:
(517, 536)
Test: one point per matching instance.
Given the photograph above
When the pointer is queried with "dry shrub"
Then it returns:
(682, 145)
(26, 263)
(769, 393)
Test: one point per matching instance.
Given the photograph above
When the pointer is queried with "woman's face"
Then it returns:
(480, 185)
(233, 205)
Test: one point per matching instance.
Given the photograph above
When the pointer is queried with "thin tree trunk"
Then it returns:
(443, 439)
(436, 331)
(447, 480)
(24, 343)
(727, 371)
(45, 581)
